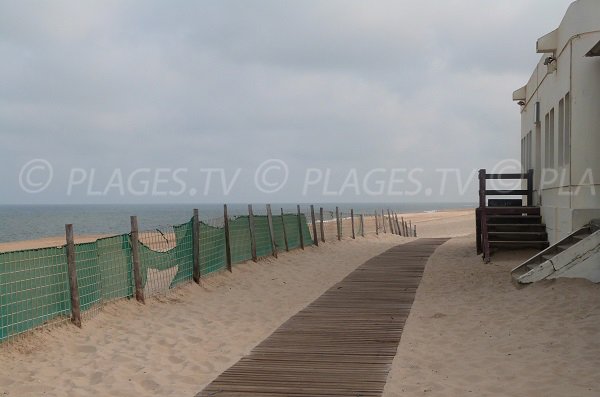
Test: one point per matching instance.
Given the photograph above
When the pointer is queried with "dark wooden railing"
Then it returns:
(482, 212)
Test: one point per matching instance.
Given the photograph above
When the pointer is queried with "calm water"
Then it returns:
(26, 222)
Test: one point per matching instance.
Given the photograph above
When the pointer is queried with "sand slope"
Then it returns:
(177, 346)
(471, 332)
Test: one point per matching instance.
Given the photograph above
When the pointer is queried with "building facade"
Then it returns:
(560, 121)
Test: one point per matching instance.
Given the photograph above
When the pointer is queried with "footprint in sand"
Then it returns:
(193, 339)
(175, 360)
(96, 378)
(86, 349)
(149, 385)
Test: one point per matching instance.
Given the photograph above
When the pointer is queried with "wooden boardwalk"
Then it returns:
(344, 342)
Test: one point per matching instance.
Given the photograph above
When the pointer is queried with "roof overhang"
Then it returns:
(548, 43)
(595, 51)
(520, 94)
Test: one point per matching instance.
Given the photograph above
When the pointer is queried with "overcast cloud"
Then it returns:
(207, 84)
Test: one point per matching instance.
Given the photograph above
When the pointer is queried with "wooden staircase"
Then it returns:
(507, 223)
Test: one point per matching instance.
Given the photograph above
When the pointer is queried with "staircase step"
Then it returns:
(518, 236)
(519, 244)
(512, 210)
(516, 227)
(515, 219)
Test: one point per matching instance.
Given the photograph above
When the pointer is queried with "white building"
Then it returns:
(560, 121)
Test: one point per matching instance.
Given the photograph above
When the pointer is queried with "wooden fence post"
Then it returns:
(383, 221)
(300, 228)
(271, 232)
(72, 271)
(390, 221)
(314, 225)
(352, 220)
(322, 224)
(415, 231)
(227, 240)
(403, 223)
(287, 246)
(362, 225)
(196, 246)
(135, 256)
(376, 224)
(252, 233)
(398, 225)
(337, 221)
(410, 228)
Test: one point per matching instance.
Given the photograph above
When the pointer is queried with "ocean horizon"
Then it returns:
(34, 221)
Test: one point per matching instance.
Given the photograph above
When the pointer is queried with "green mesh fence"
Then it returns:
(114, 260)
(263, 236)
(34, 287)
(166, 258)
(240, 240)
(212, 249)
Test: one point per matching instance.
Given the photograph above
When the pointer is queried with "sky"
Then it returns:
(261, 101)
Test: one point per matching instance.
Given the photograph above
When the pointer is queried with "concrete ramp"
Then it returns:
(575, 256)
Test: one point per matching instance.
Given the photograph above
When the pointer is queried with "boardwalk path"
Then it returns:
(344, 342)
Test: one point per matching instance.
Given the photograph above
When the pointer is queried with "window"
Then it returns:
(567, 141)
(561, 133)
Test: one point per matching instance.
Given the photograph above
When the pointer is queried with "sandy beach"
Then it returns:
(470, 330)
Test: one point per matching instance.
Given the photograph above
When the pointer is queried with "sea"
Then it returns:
(28, 222)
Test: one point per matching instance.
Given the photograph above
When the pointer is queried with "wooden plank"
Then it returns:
(271, 231)
(344, 342)
(352, 220)
(72, 272)
(135, 259)
(337, 221)
(314, 225)
(383, 221)
(300, 228)
(252, 233)
(514, 192)
(505, 176)
(362, 225)
(196, 246)
(287, 246)
(321, 220)
(227, 239)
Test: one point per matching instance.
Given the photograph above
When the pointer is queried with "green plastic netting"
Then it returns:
(34, 286)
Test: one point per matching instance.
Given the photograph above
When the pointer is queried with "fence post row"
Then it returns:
(314, 225)
(300, 228)
(227, 241)
(362, 225)
(352, 220)
(398, 225)
(322, 224)
(135, 257)
(337, 221)
(72, 272)
(196, 246)
(287, 247)
(252, 233)
(271, 233)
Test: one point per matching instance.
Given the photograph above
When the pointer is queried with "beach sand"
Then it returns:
(471, 332)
